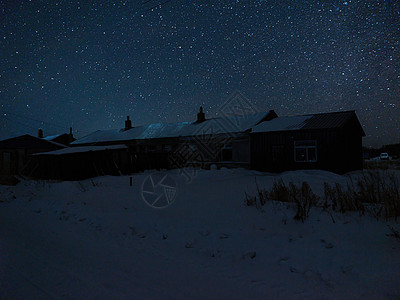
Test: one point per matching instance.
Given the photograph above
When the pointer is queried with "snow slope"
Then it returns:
(97, 238)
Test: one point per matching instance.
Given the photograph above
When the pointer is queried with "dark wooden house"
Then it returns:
(75, 163)
(15, 152)
(327, 141)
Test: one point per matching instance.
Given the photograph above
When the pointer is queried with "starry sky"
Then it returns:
(89, 64)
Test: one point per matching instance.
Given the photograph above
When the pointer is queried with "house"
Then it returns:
(74, 163)
(327, 141)
(261, 141)
(200, 142)
(155, 146)
(15, 152)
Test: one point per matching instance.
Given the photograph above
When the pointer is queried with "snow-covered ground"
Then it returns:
(97, 238)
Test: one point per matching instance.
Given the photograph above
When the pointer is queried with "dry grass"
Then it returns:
(303, 197)
(376, 192)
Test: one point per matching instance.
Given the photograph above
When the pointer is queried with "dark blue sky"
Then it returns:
(88, 64)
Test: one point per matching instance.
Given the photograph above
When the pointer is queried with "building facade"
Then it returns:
(329, 141)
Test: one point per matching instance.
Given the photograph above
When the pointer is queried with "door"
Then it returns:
(278, 158)
(6, 162)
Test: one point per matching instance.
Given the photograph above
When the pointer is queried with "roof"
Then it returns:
(282, 123)
(71, 150)
(312, 121)
(329, 120)
(29, 142)
(231, 124)
(52, 137)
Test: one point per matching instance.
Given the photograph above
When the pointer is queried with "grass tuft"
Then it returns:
(376, 192)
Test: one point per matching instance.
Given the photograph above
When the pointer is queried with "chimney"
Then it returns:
(70, 137)
(40, 133)
(269, 116)
(128, 123)
(201, 117)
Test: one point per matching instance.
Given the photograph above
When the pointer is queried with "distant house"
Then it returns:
(328, 141)
(14, 152)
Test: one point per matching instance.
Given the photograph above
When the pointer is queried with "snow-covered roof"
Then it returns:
(28, 141)
(313, 121)
(52, 137)
(71, 150)
(282, 123)
(231, 124)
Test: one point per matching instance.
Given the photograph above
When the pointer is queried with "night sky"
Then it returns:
(89, 64)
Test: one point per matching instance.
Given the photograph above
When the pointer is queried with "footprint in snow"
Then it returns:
(141, 235)
(223, 236)
(258, 281)
(327, 245)
(189, 244)
(204, 232)
(133, 230)
(214, 253)
(283, 259)
(251, 255)
(347, 269)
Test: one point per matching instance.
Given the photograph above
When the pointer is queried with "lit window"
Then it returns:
(305, 151)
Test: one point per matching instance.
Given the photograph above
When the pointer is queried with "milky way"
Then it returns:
(88, 64)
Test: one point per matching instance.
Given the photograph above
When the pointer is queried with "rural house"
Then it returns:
(74, 163)
(260, 141)
(198, 143)
(223, 139)
(327, 141)
(15, 152)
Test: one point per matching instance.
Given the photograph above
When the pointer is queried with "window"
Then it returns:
(305, 151)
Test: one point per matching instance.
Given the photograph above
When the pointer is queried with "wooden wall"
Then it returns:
(338, 150)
